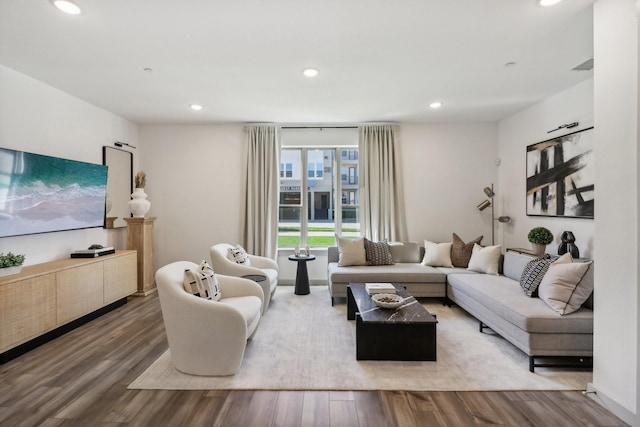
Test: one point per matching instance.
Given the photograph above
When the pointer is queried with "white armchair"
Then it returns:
(261, 266)
(208, 337)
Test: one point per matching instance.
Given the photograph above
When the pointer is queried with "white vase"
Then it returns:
(8, 271)
(139, 205)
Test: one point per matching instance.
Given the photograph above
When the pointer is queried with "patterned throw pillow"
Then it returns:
(239, 255)
(202, 282)
(461, 251)
(377, 253)
(533, 273)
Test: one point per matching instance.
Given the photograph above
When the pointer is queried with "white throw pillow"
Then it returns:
(562, 288)
(485, 259)
(437, 254)
(202, 282)
(239, 256)
(352, 252)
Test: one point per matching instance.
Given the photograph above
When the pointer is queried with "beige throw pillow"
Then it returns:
(561, 287)
(437, 254)
(485, 259)
(351, 252)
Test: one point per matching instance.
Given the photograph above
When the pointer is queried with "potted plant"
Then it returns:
(540, 237)
(10, 264)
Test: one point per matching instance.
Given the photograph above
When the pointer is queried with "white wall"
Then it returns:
(38, 118)
(529, 127)
(445, 168)
(616, 50)
(194, 184)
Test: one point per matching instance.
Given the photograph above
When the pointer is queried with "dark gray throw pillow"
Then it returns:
(377, 253)
(532, 275)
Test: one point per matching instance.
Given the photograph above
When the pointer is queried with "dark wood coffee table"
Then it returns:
(405, 333)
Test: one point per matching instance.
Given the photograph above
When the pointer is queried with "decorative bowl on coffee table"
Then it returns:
(387, 300)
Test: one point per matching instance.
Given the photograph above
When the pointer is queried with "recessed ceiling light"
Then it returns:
(310, 72)
(67, 6)
(435, 105)
(545, 3)
(148, 70)
(196, 107)
(510, 64)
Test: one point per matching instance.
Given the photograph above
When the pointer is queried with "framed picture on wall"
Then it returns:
(561, 175)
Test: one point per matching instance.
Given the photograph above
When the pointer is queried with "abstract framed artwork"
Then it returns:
(561, 175)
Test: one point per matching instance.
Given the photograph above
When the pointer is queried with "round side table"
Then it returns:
(302, 275)
(255, 277)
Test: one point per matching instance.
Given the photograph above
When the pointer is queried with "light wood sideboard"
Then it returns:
(46, 300)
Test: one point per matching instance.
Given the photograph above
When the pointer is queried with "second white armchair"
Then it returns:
(258, 265)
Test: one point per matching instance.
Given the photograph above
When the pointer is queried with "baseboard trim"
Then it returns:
(618, 410)
(59, 331)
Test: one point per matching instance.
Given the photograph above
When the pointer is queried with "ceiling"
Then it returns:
(379, 60)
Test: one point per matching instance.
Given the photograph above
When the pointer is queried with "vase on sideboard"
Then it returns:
(139, 205)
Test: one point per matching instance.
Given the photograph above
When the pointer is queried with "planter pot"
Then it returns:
(8, 271)
(538, 249)
(139, 205)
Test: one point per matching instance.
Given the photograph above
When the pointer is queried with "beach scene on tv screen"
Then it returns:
(40, 194)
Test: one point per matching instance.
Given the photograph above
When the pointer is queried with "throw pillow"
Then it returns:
(351, 252)
(461, 251)
(377, 253)
(239, 256)
(532, 275)
(485, 259)
(437, 254)
(202, 282)
(562, 288)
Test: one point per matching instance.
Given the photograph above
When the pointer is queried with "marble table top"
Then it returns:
(410, 312)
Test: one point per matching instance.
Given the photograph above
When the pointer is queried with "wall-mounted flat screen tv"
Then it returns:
(40, 194)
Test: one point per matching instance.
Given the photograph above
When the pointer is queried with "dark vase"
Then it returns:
(568, 245)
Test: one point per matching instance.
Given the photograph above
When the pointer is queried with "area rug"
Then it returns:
(304, 343)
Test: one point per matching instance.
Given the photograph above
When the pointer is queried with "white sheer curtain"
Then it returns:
(261, 185)
(381, 194)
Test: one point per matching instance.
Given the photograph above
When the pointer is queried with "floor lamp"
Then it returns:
(488, 191)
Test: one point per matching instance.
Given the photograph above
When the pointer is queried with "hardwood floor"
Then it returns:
(81, 378)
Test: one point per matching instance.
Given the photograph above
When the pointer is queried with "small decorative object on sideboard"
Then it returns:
(540, 237)
(568, 245)
(10, 264)
(139, 205)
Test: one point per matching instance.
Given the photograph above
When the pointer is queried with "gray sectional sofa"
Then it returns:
(498, 302)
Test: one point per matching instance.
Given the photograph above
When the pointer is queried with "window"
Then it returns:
(286, 170)
(329, 204)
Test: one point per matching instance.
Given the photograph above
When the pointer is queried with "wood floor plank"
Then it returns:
(128, 405)
(81, 379)
(425, 411)
(315, 409)
(207, 411)
(369, 407)
(343, 413)
(288, 409)
(452, 409)
(482, 409)
(341, 395)
(397, 409)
